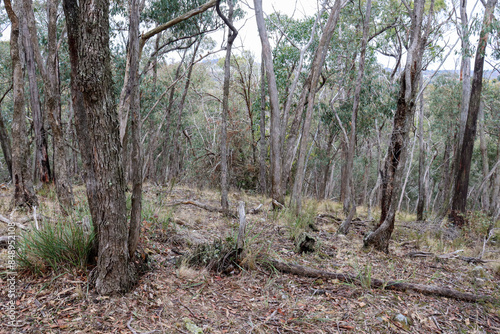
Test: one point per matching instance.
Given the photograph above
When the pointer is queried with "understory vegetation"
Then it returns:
(196, 278)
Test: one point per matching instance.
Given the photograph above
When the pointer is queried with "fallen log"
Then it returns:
(202, 206)
(377, 283)
(453, 255)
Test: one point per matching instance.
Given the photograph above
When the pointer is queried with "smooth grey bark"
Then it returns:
(262, 125)
(421, 160)
(495, 191)
(463, 160)
(42, 165)
(4, 137)
(277, 193)
(232, 33)
(313, 79)
(349, 202)
(403, 120)
(24, 194)
(50, 76)
(485, 195)
(465, 71)
(289, 143)
(366, 174)
(135, 111)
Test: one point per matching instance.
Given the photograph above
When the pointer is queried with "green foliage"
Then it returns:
(302, 222)
(217, 256)
(64, 245)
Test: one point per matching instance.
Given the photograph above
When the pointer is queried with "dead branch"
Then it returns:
(377, 283)
(202, 206)
(326, 215)
(136, 332)
(256, 210)
(240, 243)
(452, 255)
(278, 204)
(8, 222)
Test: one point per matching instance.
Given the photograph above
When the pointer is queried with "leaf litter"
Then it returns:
(175, 298)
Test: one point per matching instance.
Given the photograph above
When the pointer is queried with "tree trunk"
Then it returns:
(277, 193)
(99, 139)
(421, 160)
(485, 195)
(403, 120)
(232, 32)
(313, 78)
(464, 73)
(42, 165)
(175, 164)
(5, 139)
(262, 124)
(366, 174)
(495, 191)
(24, 194)
(349, 163)
(50, 75)
(135, 108)
(62, 180)
(463, 161)
(325, 167)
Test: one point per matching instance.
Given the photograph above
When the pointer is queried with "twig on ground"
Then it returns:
(8, 221)
(202, 206)
(136, 332)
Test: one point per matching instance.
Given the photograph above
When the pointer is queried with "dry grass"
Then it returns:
(252, 300)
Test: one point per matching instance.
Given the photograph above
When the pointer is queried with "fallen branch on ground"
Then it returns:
(452, 255)
(8, 221)
(376, 283)
(256, 210)
(326, 215)
(203, 206)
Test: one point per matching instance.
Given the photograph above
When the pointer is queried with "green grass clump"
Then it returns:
(217, 256)
(301, 223)
(63, 245)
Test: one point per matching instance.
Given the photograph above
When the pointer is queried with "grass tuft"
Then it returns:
(218, 256)
(53, 247)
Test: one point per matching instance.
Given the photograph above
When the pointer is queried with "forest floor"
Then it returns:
(174, 298)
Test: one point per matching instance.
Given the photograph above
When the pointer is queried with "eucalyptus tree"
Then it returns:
(41, 161)
(310, 86)
(463, 160)
(349, 200)
(24, 194)
(6, 88)
(277, 192)
(98, 133)
(49, 71)
(232, 33)
(420, 27)
(443, 117)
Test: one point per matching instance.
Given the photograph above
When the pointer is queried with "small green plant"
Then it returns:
(63, 245)
(365, 275)
(217, 256)
(298, 224)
